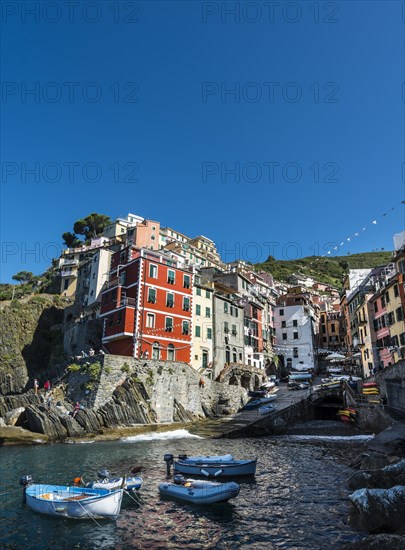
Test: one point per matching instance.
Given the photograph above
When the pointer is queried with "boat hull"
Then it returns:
(74, 502)
(234, 468)
(131, 484)
(200, 492)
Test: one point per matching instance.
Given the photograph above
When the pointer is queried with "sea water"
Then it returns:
(298, 498)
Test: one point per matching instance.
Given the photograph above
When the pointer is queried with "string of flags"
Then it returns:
(359, 232)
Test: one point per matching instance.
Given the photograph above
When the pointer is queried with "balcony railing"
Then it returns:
(68, 273)
(127, 302)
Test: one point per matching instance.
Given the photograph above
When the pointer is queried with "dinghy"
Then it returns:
(261, 401)
(132, 483)
(199, 491)
(211, 466)
(266, 409)
(72, 502)
(300, 376)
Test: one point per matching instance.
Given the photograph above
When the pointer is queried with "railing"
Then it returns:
(127, 302)
(68, 273)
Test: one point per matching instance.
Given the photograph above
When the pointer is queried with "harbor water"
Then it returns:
(298, 499)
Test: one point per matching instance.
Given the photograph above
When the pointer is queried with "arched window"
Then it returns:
(156, 350)
(170, 353)
(234, 355)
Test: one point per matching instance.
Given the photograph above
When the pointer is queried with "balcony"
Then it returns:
(127, 302)
(362, 320)
(68, 273)
(68, 261)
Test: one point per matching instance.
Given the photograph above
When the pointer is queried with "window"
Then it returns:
(150, 320)
(387, 297)
(332, 327)
(295, 353)
(185, 327)
(197, 331)
(171, 277)
(207, 294)
(66, 284)
(281, 312)
(225, 307)
(283, 324)
(234, 331)
(209, 333)
(153, 270)
(284, 336)
(119, 318)
(295, 323)
(170, 353)
(234, 355)
(382, 301)
(227, 355)
(226, 327)
(396, 291)
(156, 350)
(198, 309)
(323, 329)
(198, 291)
(376, 306)
(402, 339)
(324, 339)
(169, 299)
(186, 303)
(186, 282)
(168, 324)
(295, 335)
(152, 295)
(208, 312)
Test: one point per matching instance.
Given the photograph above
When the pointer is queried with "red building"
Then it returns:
(383, 355)
(146, 306)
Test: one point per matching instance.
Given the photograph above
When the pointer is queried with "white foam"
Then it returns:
(151, 436)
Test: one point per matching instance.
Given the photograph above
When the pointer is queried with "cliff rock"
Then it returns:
(383, 478)
(380, 510)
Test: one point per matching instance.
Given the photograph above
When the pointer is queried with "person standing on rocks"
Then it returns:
(36, 386)
(76, 408)
(49, 401)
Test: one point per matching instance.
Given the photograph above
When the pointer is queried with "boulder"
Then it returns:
(382, 541)
(383, 478)
(44, 422)
(380, 510)
(16, 417)
(373, 460)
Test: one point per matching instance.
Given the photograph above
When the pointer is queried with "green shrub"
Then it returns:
(125, 368)
(74, 367)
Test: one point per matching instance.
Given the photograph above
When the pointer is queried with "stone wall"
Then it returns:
(392, 384)
(169, 387)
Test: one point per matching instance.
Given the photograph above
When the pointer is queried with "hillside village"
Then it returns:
(145, 291)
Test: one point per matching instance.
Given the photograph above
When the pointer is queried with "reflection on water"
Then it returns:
(297, 500)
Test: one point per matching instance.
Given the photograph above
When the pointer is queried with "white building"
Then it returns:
(294, 327)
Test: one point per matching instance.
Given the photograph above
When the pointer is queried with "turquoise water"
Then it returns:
(298, 498)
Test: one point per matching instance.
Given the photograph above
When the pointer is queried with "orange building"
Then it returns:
(146, 306)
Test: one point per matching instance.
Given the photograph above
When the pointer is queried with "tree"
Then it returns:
(70, 240)
(24, 277)
(92, 225)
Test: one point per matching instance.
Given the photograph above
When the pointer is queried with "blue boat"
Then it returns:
(259, 402)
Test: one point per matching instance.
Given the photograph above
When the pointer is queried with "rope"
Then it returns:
(89, 514)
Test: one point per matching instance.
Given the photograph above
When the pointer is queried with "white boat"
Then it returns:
(199, 491)
(211, 466)
(73, 502)
(131, 483)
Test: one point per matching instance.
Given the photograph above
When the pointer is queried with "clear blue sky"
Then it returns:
(315, 129)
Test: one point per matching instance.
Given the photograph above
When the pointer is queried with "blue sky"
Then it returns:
(306, 151)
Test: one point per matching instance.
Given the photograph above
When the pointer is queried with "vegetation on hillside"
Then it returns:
(329, 270)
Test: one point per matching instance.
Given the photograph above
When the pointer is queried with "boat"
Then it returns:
(71, 502)
(300, 376)
(266, 409)
(258, 402)
(258, 393)
(131, 483)
(211, 466)
(199, 491)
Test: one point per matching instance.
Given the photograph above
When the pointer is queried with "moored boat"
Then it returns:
(131, 483)
(261, 401)
(211, 466)
(199, 491)
(300, 376)
(72, 502)
(266, 409)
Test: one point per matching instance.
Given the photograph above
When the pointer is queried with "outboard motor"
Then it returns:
(103, 474)
(169, 461)
(24, 482)
(179, 479)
